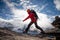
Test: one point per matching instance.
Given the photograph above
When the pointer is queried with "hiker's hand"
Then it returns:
(23, 20)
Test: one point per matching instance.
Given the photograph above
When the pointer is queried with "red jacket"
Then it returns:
(32, 17)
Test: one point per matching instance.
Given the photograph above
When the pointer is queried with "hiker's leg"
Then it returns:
(26, 30)
(38, 27)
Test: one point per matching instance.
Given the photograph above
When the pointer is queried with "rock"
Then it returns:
(6, 34)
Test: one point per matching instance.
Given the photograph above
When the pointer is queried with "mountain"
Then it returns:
(6, 34)
(6, 25)
(18, 26)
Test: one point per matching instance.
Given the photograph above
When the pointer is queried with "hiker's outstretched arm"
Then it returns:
(25, 18)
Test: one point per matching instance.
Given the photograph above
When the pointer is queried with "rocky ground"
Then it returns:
(6, 34)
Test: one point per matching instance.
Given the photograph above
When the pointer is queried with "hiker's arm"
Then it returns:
(25, 18)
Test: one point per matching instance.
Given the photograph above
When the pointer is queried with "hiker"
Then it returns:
(33, 18)
(56, 22)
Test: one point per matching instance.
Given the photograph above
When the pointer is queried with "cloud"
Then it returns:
(2, 19)
(57, 3)
(26, 4)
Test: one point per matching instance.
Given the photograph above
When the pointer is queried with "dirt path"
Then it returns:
(9, 35)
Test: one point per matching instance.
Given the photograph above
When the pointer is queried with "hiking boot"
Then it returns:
(42, 32)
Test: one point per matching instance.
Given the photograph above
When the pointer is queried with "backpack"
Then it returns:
(34, 14)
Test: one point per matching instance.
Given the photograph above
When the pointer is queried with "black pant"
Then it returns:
(26, 30)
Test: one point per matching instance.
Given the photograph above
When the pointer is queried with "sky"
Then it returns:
(14, 11)
(48, 7)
